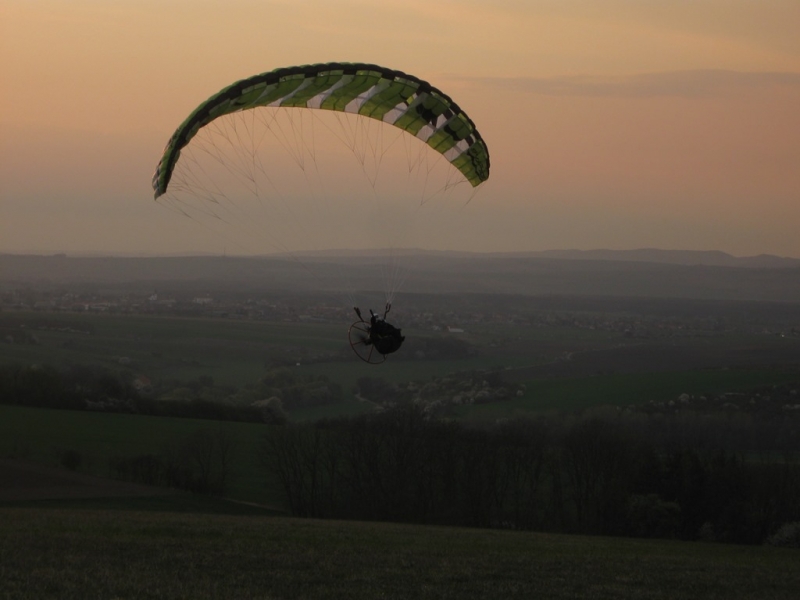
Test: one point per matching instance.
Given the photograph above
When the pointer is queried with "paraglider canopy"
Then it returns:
(393, 97)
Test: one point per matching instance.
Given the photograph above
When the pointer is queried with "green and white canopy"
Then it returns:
(393, 97)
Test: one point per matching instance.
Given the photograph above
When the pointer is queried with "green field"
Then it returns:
(550, 395)
(172, 350)
(73, 553)
(236, 353)
(232, 352)
(41, 435)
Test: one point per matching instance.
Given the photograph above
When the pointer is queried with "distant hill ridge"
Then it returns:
(711, 258)
(635, 273)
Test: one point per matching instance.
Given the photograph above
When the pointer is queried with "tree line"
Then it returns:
(601, 473)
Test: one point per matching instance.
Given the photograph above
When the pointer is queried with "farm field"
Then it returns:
(167, 347)
(563, 367)
(232, 352)
(567, 394)
(79, 553)
(42, 435)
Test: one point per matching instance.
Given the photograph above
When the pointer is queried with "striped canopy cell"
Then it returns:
(393, 97)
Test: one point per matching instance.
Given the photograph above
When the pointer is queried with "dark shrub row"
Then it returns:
(595, 474)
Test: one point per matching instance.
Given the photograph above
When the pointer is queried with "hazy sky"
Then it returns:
(611, 124)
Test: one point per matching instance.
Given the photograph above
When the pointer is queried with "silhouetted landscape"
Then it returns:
(640, 394)
(640, 273)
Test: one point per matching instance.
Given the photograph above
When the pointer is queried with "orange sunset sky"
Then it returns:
(611, 124)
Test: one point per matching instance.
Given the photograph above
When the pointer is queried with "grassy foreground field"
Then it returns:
(62, 553)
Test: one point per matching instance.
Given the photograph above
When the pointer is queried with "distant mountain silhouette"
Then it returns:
(711, 258)
(632, 273)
